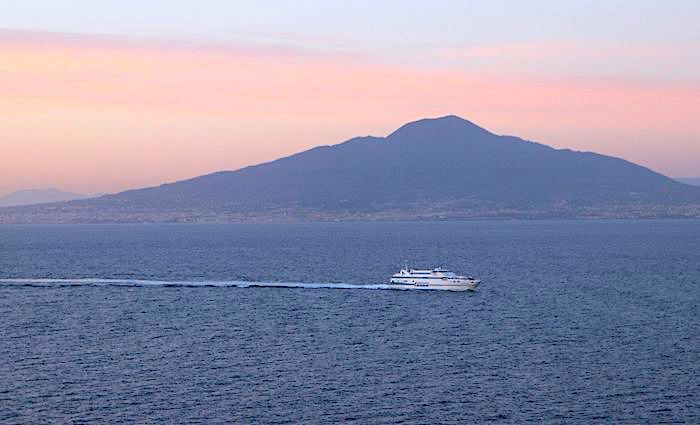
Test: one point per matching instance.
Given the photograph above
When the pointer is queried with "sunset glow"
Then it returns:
(98, 113)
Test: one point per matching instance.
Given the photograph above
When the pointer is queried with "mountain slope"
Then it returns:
(446, 166)
(694, 181)
(438, 159)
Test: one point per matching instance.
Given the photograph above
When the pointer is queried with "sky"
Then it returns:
(103, 96)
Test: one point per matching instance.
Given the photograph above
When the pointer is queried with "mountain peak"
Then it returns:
(38, 196)
(436, 168)
(448, 126)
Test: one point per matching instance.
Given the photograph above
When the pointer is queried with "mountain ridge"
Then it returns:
(432, 168)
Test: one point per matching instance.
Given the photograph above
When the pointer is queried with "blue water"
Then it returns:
(575, 322)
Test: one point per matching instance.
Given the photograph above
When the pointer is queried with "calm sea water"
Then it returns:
(576, 322)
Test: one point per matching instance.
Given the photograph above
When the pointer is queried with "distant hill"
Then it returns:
(38, 196)
(429, 169)
(695, 181)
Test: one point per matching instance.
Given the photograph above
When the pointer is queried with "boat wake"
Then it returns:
(194, 284)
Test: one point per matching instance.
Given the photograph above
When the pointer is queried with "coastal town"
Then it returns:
(76, 212)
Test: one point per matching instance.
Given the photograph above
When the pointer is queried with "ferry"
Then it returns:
(437, 278)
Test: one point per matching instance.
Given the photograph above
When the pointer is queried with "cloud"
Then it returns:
(112, 72)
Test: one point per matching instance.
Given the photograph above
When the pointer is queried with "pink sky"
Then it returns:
(100, 114)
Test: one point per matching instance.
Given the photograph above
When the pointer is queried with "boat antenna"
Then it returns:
(406, 264)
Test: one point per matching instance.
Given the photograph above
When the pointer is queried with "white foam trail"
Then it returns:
(217, 283)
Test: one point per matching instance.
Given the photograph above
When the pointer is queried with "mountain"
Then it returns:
(428, 169)
(695, 181)
(38, 196)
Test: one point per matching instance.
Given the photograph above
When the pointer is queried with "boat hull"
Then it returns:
(440, 286)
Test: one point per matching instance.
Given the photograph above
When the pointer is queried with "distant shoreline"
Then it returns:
(406, 220)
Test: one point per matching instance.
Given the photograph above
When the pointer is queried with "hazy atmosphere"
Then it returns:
(105, 96)
(349, 212)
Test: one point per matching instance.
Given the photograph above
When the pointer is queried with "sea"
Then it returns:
(575, 322)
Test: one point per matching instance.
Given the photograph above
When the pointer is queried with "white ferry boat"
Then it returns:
(437, 278)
